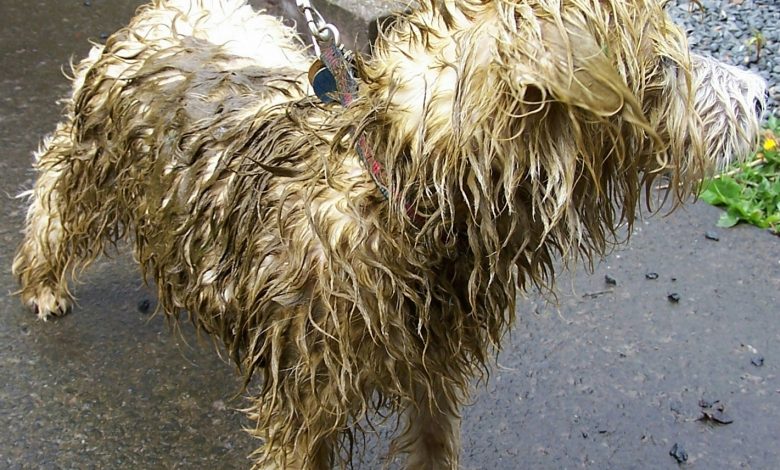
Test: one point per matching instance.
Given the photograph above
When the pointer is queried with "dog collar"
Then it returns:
(332, 77)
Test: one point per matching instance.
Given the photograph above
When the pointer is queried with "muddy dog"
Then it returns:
(505, 135)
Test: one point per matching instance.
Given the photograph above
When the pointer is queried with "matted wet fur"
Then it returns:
(519, 132)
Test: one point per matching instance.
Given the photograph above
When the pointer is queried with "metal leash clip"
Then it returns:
(321, 31)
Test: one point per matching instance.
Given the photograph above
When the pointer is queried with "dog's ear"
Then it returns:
(569, 63)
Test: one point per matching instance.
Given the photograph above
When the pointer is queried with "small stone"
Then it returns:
(103, 36)
(757, 361)
(674, 297)
(679, 453)
(144, 306)
(704, 403)
(87, 3)
(651, 276)
(710, 235)
(716, 414)
(611, 281)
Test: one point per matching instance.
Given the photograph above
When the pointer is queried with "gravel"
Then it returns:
(728, 31)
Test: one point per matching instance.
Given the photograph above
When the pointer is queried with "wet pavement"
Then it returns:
(613, 375)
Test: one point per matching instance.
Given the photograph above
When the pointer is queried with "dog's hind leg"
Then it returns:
(40, 262)
(431, 436)
(60, 234)
(73, 204)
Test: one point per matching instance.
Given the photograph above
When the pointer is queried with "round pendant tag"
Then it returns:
(323, 82)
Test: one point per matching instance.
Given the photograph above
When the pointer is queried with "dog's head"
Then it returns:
(729, 102)
(539, 122)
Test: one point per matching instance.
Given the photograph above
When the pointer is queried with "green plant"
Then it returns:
(758, 41)
(750, 191)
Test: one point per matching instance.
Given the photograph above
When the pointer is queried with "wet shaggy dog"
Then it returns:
(510, 134)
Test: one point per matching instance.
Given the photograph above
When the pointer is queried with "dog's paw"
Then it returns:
(46, 304)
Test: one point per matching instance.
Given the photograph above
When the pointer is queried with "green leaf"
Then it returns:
(750, 193)
(728, 219)
(722, 191)
(773, 219)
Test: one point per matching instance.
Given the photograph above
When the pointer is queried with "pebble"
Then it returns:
(704, 403)
(674, 297)
(651, 276)
(144, 306)
(714, 412)
(710, 235)
(611, 281)
(757, 361)
(679, 453)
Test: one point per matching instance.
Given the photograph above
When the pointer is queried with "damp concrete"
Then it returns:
(611, 374)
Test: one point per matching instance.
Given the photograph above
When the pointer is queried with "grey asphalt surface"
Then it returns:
(609, 376)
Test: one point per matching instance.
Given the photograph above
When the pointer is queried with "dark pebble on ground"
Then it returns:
(679, 453)
(714, 412)
(674, 297)
(144, 306)
(704, 403)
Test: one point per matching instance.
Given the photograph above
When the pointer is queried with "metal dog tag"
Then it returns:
(323, 82)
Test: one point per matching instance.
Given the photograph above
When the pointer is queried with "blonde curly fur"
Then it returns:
(519, 133)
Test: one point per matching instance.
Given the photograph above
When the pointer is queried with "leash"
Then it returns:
(332, 77)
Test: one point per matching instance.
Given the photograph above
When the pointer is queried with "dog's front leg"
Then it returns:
(293, 440)
(431, 436)
(300, 417)
(280, 457)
